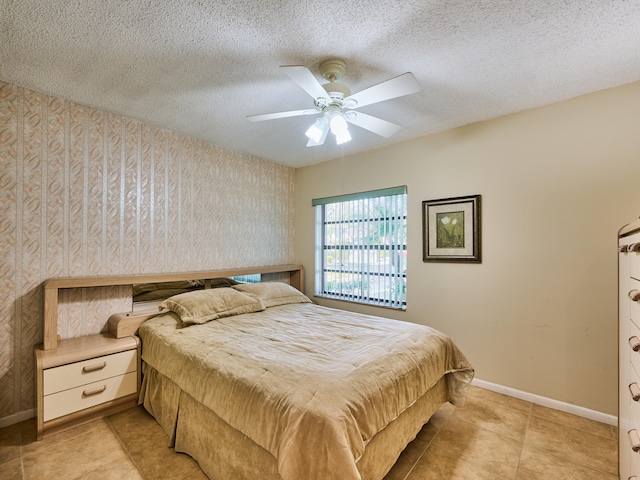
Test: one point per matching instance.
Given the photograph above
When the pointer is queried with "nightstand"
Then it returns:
(85, 378)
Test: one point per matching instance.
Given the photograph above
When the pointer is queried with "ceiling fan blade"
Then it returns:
(290, 113)
(303, 77)
(373, 124)
(396, 87)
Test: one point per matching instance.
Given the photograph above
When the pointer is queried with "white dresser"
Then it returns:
(629, 352)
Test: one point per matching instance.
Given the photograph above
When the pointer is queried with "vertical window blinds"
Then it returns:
(361, 247)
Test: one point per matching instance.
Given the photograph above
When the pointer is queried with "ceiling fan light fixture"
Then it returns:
(343, 137)
(316, 130)
(317, 133)
(340, 129)
(338, 124)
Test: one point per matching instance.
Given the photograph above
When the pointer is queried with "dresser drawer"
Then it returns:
(633, 257)
(634, 357)
(82, 373)
(634, 467)
(634, 406)
(634, 265)
(625, 461)
(75, 399)
(633, 291)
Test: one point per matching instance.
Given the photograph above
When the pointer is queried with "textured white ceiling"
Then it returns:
(201, 66)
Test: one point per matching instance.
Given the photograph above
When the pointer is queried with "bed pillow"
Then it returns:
(201, 306)
(273, 294)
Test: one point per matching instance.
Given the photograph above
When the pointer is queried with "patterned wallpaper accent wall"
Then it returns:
(86, 192)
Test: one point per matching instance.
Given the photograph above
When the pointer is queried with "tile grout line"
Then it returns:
(21, 436)
(581, 430)
(406, 477)
(492, 432)
(524, 440)
(124, 448)
(429, 443)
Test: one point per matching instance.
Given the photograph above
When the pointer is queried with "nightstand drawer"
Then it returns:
(79, 398)
(82, 373)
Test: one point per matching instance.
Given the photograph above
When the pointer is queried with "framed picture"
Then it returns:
(451, 230)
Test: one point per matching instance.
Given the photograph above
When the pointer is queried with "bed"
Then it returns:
(257, 382)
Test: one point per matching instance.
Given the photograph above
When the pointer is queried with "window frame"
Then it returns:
(390, 288)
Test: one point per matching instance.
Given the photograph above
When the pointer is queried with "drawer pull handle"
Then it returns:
(623, 248)
(634, 247)
(634, 438)
(634, 388)
(98, 390)
(634, 343)
(94, 367)
(634, 295)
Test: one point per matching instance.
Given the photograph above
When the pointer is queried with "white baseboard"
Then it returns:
(17, 418)
(548, 402)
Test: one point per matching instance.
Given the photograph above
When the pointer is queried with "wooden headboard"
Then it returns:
(53, 285)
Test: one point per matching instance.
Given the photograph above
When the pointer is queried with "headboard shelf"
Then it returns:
(53, 285)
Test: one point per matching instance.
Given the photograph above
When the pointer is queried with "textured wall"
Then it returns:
(86, 192)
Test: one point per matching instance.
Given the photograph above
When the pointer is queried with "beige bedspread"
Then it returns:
(311, 385)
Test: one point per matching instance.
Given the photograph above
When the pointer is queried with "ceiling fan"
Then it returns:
(337, 105)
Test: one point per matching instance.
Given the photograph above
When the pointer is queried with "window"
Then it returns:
(361, 247)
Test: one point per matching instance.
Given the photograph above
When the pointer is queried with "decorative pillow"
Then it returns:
(273, 294)
(201, 306)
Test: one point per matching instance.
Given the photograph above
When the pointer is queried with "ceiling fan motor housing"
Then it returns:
(337, 90)
(333, 69)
